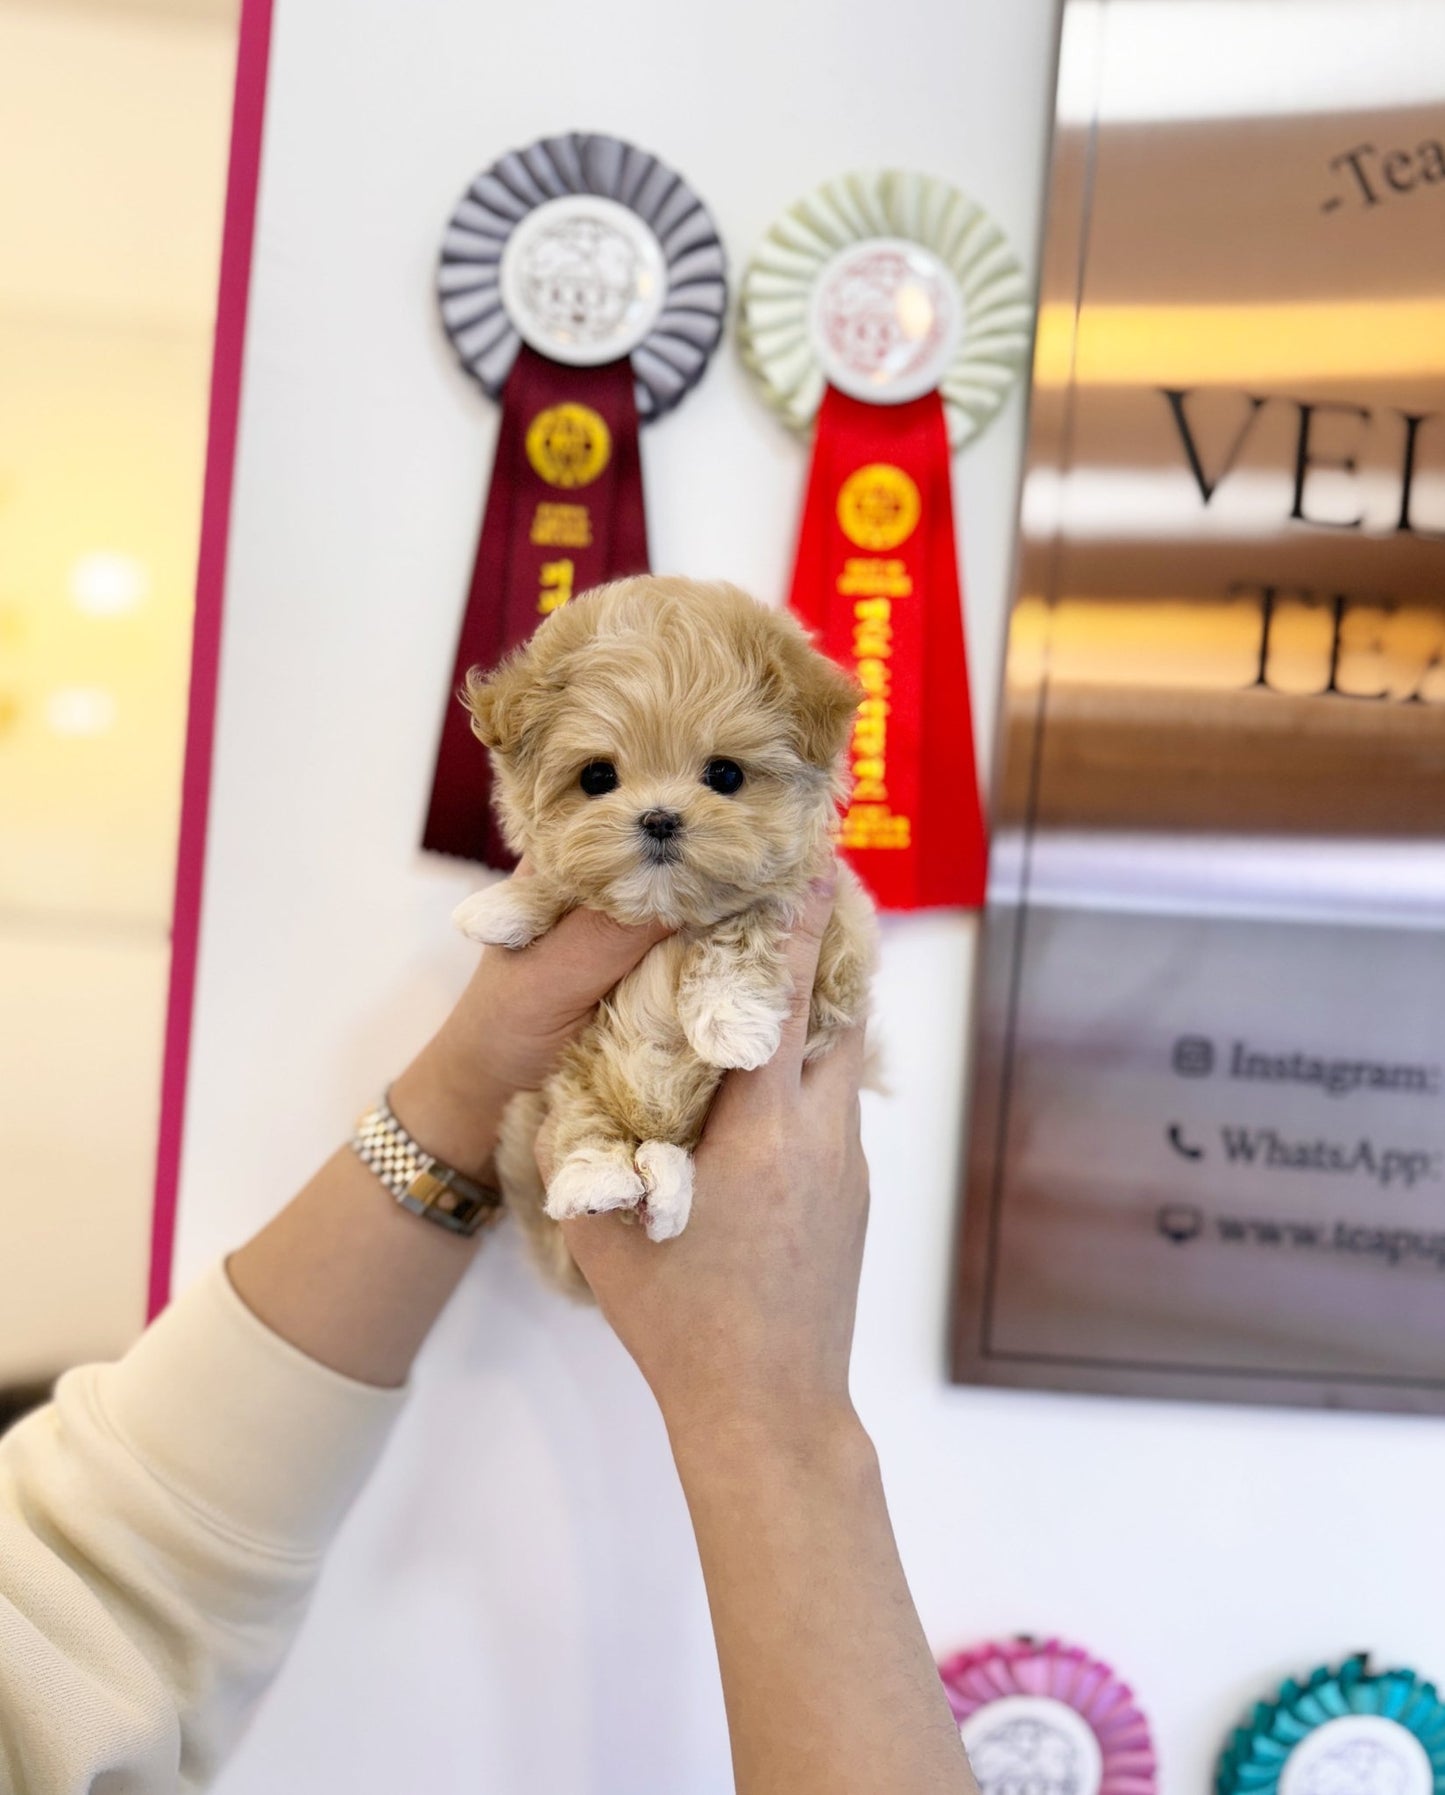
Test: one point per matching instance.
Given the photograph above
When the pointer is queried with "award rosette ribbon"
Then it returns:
(1342, 1731)
(583, 283)
(888, 309)
(1046, 1717)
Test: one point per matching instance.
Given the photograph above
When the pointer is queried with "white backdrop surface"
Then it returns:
(514, 1607)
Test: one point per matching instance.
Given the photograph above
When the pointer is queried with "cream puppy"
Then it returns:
(674, 750)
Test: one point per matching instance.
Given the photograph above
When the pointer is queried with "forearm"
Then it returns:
(161, 1524)
(345, 1275)
(827, 1676)
(343, 1272)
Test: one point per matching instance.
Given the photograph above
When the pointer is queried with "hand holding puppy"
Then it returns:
(520, 1010)
(747, 1320)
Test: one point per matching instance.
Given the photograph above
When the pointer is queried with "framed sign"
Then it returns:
(1207, 1152)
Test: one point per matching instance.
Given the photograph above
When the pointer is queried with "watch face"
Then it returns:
(1358, 1754)
(583, 279)
(1032, 1745)
(886, 317)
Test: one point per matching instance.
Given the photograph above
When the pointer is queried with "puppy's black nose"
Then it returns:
(661, 825)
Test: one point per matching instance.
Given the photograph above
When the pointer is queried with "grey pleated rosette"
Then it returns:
(589, 249)
(887, 284)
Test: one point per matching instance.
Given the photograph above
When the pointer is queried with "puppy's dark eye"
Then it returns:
(597, 777)
(724, 776)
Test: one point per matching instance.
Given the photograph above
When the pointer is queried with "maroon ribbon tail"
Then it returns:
(564, 512)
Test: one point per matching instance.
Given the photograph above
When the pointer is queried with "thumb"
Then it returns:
(587, 953)
(805, 944)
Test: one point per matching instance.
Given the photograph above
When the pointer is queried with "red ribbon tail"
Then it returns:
(877, 575)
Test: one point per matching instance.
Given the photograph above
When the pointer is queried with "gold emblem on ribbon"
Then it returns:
(879, 506)
(568, 445)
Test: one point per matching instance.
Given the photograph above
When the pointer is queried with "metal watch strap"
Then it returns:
(419, 1181)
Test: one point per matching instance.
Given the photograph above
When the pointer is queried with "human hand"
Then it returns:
(746, 1320)
(518, 1011)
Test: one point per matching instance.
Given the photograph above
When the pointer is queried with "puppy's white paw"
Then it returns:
(667, 1172)
(594, 1179)
(734, 1032)
(495, 918)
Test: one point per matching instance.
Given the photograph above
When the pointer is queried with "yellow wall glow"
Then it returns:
(119, 117)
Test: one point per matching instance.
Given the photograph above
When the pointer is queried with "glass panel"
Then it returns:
(116, 128)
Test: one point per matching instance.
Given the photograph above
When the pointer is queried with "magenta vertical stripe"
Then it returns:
(242, 180)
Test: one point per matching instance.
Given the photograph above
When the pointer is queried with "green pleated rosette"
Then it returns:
(1257, 1759)
(774, 327)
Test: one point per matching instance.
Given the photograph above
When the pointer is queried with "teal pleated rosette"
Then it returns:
(1345, 1730)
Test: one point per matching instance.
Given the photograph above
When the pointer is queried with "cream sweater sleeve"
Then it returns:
(161, 1525)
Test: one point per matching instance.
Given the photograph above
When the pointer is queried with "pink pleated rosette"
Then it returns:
(1046, 1716)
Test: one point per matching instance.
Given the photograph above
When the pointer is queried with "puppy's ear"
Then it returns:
(502, 702)
(822, 697)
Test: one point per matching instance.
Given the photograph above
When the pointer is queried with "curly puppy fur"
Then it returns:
(658, 678)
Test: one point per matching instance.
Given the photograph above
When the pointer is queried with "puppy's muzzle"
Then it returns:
(660, 831)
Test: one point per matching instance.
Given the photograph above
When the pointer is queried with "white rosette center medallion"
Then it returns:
(583, 280)
(886, 319)
(1033, 1743)
(1358, 1754)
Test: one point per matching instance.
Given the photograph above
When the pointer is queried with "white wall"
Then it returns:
(514, 1606)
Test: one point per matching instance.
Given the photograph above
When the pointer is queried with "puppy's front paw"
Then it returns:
(594, 1179)
(495, 918)
(732, 1031)
(667, 1172)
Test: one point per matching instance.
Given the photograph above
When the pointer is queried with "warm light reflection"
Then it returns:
(106, 584)
(1190, 644)
(1240, 345)
(1178, 643)
(80, 710)
(913, 307)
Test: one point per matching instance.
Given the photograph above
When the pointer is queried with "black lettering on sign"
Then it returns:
(1413, 424)
(1304, 460)
(1176, 397)
(1309, 457)
(1361, 648)
(1373, 176)
(1353, 160)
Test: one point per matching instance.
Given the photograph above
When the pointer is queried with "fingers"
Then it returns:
(587, 953)
(604, 1246)
(542, 1149)
(805, 943)
(839, 1073)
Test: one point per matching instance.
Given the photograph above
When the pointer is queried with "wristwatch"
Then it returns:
(419, 1181)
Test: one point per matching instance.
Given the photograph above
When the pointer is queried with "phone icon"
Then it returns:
(1180, 1145)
